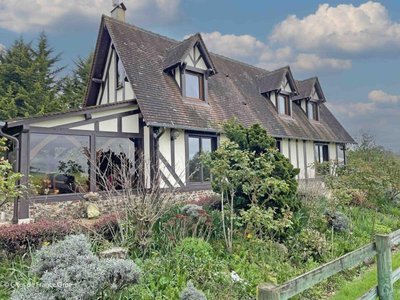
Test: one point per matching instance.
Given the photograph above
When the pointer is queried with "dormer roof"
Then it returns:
(307, 88)
(177, 54)
(272, 81)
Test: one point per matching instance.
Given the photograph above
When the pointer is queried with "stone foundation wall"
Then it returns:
(76, 209)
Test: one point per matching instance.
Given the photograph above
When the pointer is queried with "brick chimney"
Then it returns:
(118, 11)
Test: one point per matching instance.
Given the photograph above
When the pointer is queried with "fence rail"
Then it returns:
(381, 248)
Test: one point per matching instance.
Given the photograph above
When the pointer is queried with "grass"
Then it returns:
(360, 285)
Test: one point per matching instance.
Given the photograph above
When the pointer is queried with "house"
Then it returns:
(164, 99)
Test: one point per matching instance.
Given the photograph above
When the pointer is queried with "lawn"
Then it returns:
(361, 284)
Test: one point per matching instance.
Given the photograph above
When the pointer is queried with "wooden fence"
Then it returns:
(381, 248)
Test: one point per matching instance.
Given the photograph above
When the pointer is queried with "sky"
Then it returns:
(352, 46)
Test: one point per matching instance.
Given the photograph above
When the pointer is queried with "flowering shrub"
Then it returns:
(69, 270)
(191, 293)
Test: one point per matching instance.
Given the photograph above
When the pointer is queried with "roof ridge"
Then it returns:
(307, 79)
(239, 62)
(178, 42)
(141, 29)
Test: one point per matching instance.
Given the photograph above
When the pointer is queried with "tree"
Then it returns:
(28, 80)
(269, 178)
(249, 171)
(73, 87)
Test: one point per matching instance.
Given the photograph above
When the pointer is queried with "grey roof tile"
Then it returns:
(233, 92)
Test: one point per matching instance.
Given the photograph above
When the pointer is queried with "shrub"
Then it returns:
(191, 293)
(120, 272)
(69, 270)
(20, 238)
(266, 223)
(195, 248)
(371, 170)
(309, 244)
(337, 220)
(32, 293)
(9, 186)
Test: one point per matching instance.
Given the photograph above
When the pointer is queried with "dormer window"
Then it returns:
(283, 104)
(190, 64)
(194, 85)
(312, 110)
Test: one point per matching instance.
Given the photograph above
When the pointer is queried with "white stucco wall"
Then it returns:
(195, 54)
(130, 124)
(302, 166)
(332, 151)
(180, 156)
(146, 155)
(111, 93)
(310, 159)
(285, 147)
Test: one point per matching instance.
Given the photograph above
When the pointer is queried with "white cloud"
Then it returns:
(40, 14)
(379, 96)
(248, 48)
(345, 28)
(309, 62)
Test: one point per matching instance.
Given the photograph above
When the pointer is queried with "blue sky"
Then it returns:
(352, 46)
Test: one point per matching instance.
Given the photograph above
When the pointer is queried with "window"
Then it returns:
(115, 162)
(321, 153)
(194, 85)
(196, 146)
(59, 164)
(120, 73)
(278, 145)
(312, 110)
(341, 154)
(283, 105)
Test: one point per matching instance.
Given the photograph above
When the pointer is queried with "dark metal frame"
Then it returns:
(24, 155)
(214, 144)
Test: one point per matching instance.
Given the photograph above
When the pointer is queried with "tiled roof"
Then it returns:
(306, 88)
(271, 81)
(233, 92)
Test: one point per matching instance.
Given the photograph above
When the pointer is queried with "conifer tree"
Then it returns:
(73, 86)
(28, 80)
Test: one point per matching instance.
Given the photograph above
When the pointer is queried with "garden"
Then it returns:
(262, 225)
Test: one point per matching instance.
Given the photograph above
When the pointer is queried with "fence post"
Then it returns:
(268, 291)
(384, 262)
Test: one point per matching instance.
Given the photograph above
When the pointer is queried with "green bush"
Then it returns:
(258, 171)
(371, 176)
(310, 244)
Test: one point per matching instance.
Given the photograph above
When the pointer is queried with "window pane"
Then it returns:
(59, 164)
(206, 147)
(192, 85)
(281, 105)
(310, 108)
(194, 160)
(115, 161)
